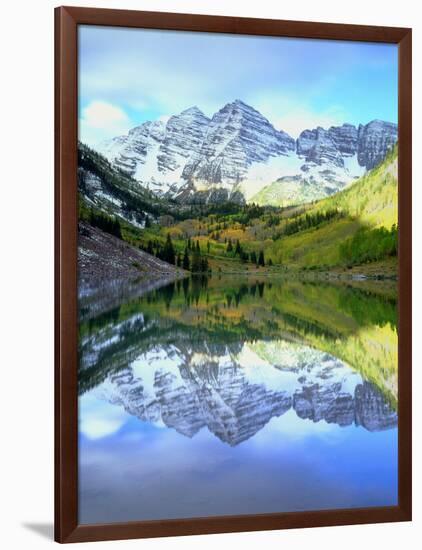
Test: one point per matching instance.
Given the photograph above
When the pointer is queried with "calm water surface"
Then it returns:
(236, 396)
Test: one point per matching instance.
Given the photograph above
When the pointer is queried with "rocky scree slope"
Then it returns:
(104, 258)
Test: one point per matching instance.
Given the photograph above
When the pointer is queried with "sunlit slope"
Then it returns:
(373, 198)
(372, 351)
(367, 206)
(318, 246)
(357, 327)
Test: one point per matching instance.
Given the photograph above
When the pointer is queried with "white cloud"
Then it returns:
(98, 418)
(292, 116)
(102, 120)
(100, 114)
(295, 121)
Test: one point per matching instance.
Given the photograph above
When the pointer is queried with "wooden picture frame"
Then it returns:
(67, 20)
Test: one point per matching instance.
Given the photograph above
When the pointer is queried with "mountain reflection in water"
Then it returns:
(220, 362)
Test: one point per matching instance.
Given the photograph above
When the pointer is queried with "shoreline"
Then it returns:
(105, 261)
(357, 273)
(92, 301)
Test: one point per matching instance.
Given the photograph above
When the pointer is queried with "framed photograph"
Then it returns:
(233, 274)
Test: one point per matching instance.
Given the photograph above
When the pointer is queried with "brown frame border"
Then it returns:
(66, 438)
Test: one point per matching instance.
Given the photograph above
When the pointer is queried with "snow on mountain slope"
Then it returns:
(238, 155)
(235, 391)
(238, 136)
(329, 161)
(155, 153)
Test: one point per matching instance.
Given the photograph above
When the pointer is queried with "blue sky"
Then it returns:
(128, 76)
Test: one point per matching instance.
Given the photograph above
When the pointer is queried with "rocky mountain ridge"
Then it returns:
(237, 154)
(369, 142)
(234, 392)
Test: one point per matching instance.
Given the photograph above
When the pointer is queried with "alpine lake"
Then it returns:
(237, 395)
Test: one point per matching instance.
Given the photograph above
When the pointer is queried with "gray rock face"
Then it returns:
(165, 146)
(184, 135)
(366, 407)
(237, 136)
(212, 195)
(345, 138)
(89, 183)
(372, 411)
(370, 142)
(325, 402)
(374, 140)
(188, 386)
(133, 149)
(319, 147)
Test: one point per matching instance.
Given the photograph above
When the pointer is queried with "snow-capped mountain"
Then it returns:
(239, 155)
(237, 138)
(326, 161)
(156, 153)
(234, 391)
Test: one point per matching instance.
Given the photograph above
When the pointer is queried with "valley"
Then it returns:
(350, 234)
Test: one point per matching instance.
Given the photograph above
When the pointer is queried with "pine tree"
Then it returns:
(253, 257)
(229, 246)
(186, 263)
(270, 262)
(204, 265)
(169, 254)
(150, 248)
(159, 252)
(238, 249)
(147, 222)
(244, 256)
(179, 260)
(261, 260)
(196, 262)
(117, 229)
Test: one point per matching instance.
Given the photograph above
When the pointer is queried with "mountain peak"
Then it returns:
(194, 110)
(242, 103)
(152, 127)
(238, 103)
(379, 122)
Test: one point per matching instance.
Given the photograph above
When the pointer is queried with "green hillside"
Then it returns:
(363, 230)
(373, 198)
